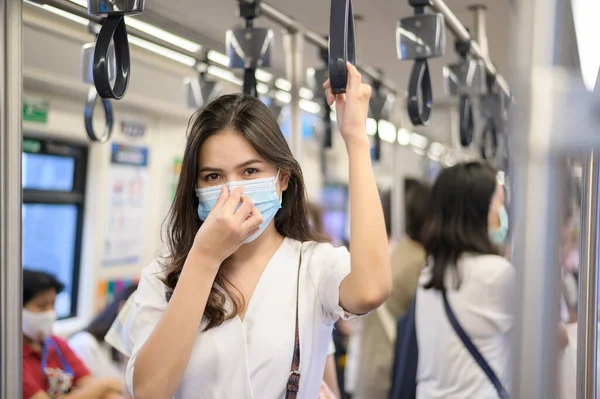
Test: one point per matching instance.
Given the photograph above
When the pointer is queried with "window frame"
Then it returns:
(76, 197)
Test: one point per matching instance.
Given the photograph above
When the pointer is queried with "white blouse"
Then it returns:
(251, 359)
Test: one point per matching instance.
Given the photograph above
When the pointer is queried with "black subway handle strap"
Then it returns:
(89, 117)
(114, 29)
(489, 132)
(342, 44)
(250, 83)
(467, 124)
(419, 107)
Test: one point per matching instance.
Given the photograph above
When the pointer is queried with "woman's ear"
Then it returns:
(284, 179)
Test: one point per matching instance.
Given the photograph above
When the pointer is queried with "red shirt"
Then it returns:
(34, 380)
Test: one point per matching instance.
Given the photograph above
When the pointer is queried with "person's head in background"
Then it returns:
(416, 198)
(466, 215)
(104, 320)
(39, 296)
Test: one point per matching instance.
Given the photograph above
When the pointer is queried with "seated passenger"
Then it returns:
(466, 224)
(377, 335)
(50, 368)
(89, 344)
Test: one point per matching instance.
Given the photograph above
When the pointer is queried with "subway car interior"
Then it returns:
(411, 185)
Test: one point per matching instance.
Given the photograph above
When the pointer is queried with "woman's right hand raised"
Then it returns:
(227, 226)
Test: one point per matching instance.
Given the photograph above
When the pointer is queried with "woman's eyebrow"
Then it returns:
(209, 168)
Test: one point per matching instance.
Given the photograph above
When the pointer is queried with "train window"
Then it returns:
(52, 213)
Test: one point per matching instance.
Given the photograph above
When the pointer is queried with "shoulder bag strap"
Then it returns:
(293, 384)
(502, 393)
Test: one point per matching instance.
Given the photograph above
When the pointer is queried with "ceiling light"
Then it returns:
(283, 96)
(387, 131)
(163, 35)
(371, 126)
(263, 76)
(61, 13)
(416, 140)
(165, 52)
(310, 106)
(283, 84)
(403, 136)
(262, 88)
(218, 58)
(305, 93)
(224, 74)
(436, 149)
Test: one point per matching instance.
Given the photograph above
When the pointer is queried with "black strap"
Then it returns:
(88, 114)
(502, 393)
(419, 109)
(293, 384)
(113, 29)
(250, 82)
(342, 44)
(467, 124)
(489, 133)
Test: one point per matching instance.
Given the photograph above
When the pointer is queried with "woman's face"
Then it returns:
(42, 302)
(496, 204)
(228, 157)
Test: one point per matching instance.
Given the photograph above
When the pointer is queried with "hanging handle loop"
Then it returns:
(419, 107)
(342, 44)
(489, 140)
(113, 29)
(466, 121)
(89, 117)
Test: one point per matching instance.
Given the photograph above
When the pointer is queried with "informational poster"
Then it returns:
(107, 289)
(177, 162)
(124, 232)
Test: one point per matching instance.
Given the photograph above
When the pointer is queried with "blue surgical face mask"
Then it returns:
(262, 192)
(498, 235)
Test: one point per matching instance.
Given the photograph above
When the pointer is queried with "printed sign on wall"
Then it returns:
(107, 290)
(124, 232)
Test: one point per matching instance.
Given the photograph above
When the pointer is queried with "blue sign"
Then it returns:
(129, 155)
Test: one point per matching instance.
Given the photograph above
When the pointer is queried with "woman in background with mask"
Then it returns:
(466, 226)
(50, 368)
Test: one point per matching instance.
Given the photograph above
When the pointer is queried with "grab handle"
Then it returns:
(89, 117)
(113, 29)
(419, 106)
(342, 44)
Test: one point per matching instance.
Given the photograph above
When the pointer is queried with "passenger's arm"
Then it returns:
(369, 283)
(160, 364)
(330, 375)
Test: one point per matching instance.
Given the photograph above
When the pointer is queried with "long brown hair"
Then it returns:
(253, 121)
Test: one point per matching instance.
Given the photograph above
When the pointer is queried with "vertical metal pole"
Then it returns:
(587, 320)
(536, 247)
(10, 199)
(293, 46)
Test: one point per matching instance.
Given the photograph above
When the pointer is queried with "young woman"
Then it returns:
(244, 305)
(466, 225)
(50, 368)
(90, 346)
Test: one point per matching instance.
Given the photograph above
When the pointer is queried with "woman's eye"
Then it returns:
(250, 171)
(211, 177)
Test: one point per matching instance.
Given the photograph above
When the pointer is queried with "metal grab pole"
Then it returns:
(293, 47)
(10, 199)
(587, 319)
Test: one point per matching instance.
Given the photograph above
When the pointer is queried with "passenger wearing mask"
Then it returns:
(50, 368)
(245, 303)
(378, 331)
(90, 346)
(467, 223)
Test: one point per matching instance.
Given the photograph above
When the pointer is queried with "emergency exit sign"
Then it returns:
(35, 110)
